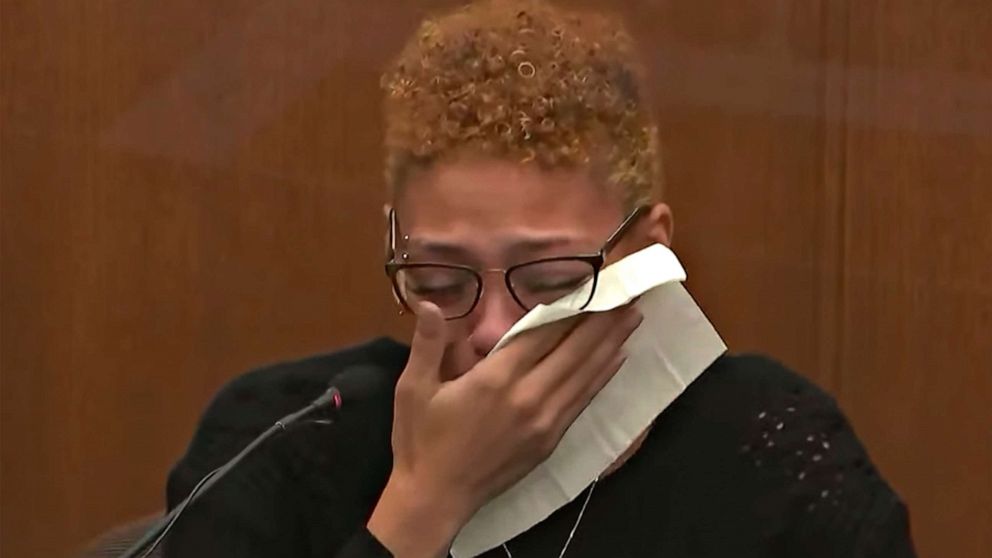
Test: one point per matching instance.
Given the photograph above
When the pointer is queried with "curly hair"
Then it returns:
(522, 80)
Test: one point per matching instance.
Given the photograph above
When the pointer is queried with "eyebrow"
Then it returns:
(523, 245)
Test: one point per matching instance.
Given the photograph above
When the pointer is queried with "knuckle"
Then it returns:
(489, 384)
(526, 404)
(547, 446)
(404, 389)
(543, 434)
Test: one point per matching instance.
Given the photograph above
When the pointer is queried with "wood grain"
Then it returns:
(917, 274)
(191, 189)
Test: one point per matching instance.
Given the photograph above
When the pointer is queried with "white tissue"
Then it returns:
(673, 345)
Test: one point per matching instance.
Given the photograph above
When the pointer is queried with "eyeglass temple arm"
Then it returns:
(622, 229)
(391, 246)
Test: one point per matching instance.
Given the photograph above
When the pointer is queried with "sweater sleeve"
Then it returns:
(364, 545)
(831, 499)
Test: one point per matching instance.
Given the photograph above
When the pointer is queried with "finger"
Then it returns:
(427, 348)
(525, 351)
(592, 342)
(571, 411)
(584, 383)
(575, 396)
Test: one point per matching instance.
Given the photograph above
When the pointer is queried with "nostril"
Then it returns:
(483, 341)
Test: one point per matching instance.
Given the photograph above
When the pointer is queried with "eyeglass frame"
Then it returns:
(595, 260)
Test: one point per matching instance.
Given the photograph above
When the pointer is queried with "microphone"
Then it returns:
(352, 385)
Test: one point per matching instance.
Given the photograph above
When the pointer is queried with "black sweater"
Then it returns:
(752, 460)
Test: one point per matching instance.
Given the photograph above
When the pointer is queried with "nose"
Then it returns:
(492, 317)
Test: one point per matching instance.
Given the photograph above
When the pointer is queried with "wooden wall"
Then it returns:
(192, 188)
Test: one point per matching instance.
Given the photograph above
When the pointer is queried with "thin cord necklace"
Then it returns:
(575, 527)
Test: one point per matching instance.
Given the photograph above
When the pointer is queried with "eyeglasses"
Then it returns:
(456, 289)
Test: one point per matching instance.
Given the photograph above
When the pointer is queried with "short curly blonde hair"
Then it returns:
(527, 81)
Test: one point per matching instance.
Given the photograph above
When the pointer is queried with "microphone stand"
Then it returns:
(144, 546)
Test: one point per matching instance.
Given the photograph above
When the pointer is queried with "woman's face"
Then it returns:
(491, 214)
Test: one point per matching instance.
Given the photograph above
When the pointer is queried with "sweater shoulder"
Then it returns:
(754, 374)
(263, 395)
(740, 388)
(250, 403)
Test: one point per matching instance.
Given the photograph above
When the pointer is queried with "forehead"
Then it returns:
(496, 197)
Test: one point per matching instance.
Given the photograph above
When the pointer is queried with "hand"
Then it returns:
(457, 444)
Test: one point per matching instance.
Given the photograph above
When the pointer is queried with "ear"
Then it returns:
(659, 224)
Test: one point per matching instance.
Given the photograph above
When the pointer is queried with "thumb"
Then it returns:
(427, 348)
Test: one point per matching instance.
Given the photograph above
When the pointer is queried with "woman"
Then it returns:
(517, 143)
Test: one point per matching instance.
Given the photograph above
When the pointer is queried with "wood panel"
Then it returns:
(917, 277)
(190, 189)
(740, 97)
(193, 188)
